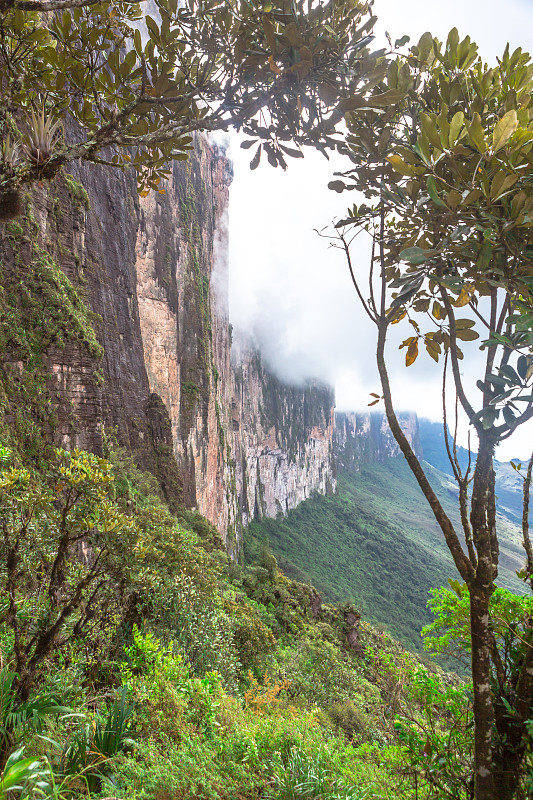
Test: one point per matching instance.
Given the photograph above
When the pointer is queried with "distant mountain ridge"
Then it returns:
(365, 438)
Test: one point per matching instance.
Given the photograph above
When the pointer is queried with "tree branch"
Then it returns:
(46, 5)
(455, 362)
(525, 523)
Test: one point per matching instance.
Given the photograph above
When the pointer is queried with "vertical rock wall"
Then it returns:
(246, 444)
(181, 265)
(283, 438)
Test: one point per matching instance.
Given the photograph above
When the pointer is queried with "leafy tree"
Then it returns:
(444, 159)
(107, 83)
(75, 564)
(63, 551)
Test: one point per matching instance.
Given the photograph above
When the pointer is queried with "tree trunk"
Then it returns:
(483, 707)
(483, 522)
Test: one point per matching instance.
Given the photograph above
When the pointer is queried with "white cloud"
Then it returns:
(286, 284)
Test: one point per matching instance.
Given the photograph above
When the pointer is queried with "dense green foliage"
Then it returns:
(41, 312)
(509, 493)
(205, 679)
(374, 543)
(360, 545)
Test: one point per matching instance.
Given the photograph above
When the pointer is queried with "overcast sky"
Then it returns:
(291, 290)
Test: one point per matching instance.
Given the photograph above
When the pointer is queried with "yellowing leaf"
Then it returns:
(273, 66)
(433, 349)
(463, 298)
(438, 311)
(399, 318)
(402, 167)
(412, 353)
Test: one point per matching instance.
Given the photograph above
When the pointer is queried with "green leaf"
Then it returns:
(291, 151)
(504, 130)
(467, 335)
(254, 163)
(152, 28)
(390, 98)
(489, 417)
(137, 41)
(485, 255)
(455, 127)
(430, 129)
(501, 183)
(510, 374)
(522, 366)
(451, 45)
(353, 103)
(401, 42)
(457, 587)
(509, 416)
(433, 193)
(414, 255)
(476, 134)
(425, 46)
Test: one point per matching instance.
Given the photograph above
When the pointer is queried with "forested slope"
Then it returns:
(375, 543)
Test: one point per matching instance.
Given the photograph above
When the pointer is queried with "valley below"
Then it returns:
(376, 543)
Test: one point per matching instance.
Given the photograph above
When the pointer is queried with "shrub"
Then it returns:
(348, 718)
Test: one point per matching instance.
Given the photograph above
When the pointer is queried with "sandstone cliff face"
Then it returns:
(361, 438)
(180, 267)
(222, 435)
